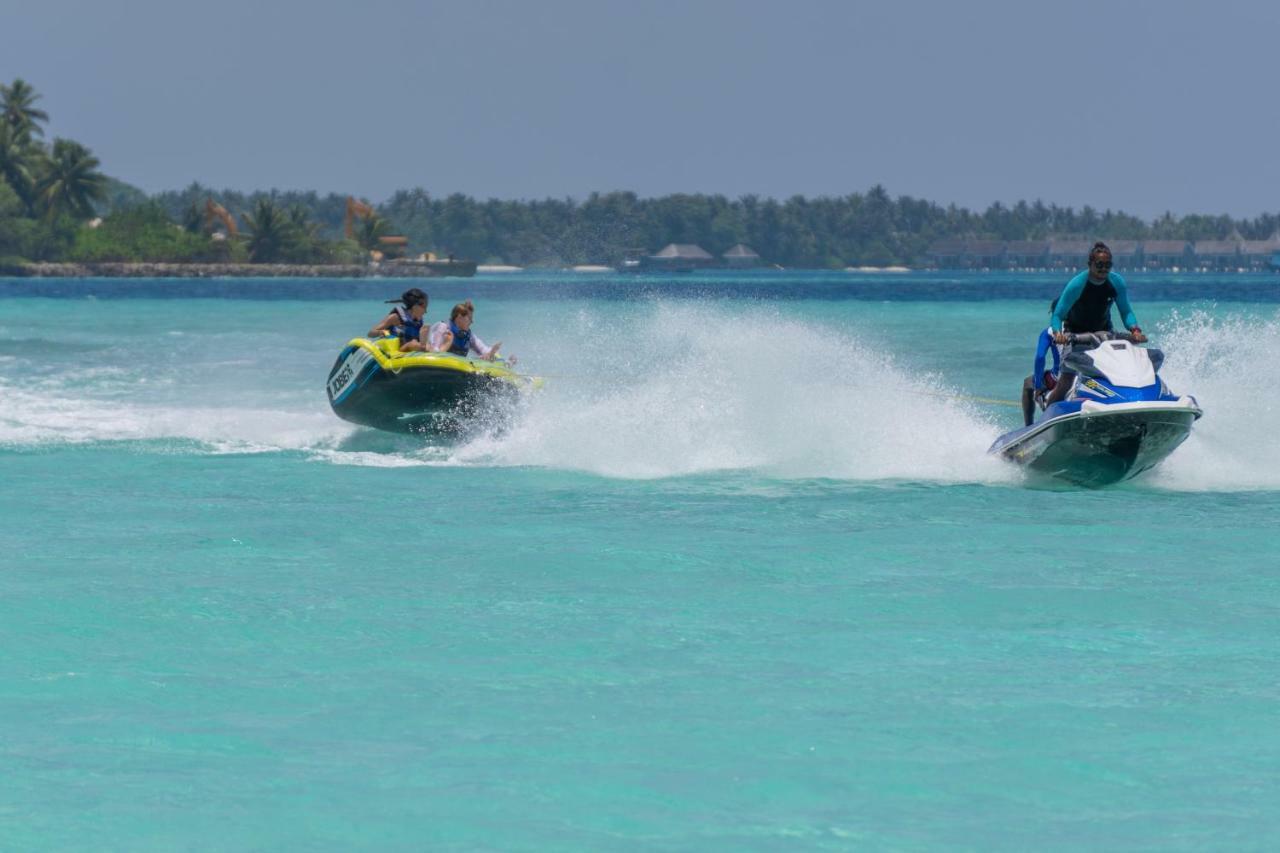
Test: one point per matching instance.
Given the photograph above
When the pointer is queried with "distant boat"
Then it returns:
(434, 268)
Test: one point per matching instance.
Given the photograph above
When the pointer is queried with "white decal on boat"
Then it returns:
(351, 368)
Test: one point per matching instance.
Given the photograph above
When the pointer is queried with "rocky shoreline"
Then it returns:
(155, 270)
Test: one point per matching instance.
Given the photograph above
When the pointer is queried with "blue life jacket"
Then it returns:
(461, 340)
(409, 328)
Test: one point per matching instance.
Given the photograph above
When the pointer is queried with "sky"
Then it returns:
(1139, 106)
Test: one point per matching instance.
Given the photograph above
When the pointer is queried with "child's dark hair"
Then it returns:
(411, 297)
(1099, 248)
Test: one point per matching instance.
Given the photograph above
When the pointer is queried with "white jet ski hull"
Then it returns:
(1100, 444)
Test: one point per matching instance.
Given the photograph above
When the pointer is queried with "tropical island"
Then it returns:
(60, 213)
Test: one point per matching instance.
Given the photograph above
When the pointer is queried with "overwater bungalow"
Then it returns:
(1024, 254)
(741, 257)
(1258, 254)
(1124, 253)
(984, 254)
(1072, 254)
(679, 257)
(946, 254)
(1165, 254)
(1068, 254)
(1215, 254)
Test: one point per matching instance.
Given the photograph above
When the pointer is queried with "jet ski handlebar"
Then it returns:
(1095, 338)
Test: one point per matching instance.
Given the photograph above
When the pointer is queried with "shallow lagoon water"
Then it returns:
(742, 576)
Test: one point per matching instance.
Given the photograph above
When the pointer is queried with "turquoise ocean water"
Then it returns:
(741, 577)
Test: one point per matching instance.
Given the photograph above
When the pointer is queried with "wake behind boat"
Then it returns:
(1118, 420)
(374, 384)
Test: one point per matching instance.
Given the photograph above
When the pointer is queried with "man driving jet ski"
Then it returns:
(1085, 306)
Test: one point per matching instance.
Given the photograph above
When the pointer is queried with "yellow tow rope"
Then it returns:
(990, 400)
(968, 397)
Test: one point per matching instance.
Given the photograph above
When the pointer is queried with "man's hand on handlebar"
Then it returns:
(1134, 335)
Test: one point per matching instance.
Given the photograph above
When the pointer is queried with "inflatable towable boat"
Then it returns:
(376, 385)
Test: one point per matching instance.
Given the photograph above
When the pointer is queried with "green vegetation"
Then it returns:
(51, 193)
(70, 182)
(369, 230)
(279, 235)
(145, 233)
(859, 228)
(56, 205)
(45, 188)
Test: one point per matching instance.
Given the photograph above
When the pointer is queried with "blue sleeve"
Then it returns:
(1042, 346)
(1122, 301)
(1070, 294)
(1057, 361)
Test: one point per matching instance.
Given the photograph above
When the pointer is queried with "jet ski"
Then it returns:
(374, 384)
(1118, 420)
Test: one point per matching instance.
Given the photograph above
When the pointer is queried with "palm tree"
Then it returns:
(268, 229)
(71, 182)
(369, 229)
(193, 219)
(17, 164)
(307, 229)
(305, 243)
(16, 101)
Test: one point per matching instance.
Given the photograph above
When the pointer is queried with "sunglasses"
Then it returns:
(1102, 265)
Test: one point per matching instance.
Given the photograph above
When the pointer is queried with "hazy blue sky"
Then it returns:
(1144, 106)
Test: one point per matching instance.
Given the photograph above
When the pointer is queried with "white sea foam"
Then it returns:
(678, 388)
(1226, 363)
(48, 416)
(694, 389)
(669, 389)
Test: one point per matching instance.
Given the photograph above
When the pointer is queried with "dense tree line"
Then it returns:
(52, 194)
(57, 205)
(46, 188)
(860, 228)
